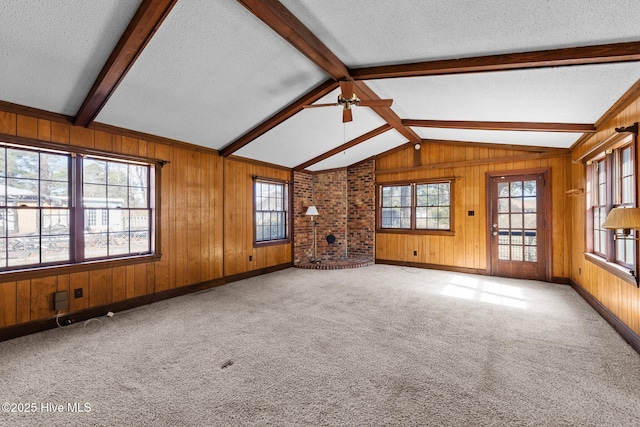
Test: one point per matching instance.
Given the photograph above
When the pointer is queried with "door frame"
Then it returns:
(548, 217)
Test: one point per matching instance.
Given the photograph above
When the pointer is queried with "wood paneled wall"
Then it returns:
(467, 249)
(238, 217)
(620, 297)
(193, 202)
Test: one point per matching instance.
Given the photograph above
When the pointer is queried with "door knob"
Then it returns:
(495, 233)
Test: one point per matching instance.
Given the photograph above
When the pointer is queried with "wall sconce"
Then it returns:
(312, 211)
(625, 219)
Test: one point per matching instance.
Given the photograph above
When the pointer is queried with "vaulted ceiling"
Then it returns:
(234, 75)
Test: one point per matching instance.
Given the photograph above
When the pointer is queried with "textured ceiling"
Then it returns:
(213, 71)
(52, 51)
(375, 32)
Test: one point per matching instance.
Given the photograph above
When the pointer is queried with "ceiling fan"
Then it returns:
(348, 98)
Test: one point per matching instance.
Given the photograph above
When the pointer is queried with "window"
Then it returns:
(423, 206)
(50, 214)
(611, 184)
(271, 200)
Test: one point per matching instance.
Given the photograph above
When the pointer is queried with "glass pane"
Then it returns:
(137, 197)
(503, 237)
(140, 242)
(516, 237)
(22, 163)
(3, 253)
(530, 220)
(503, 189)
(118, 173)
(626, 162)
(94, 196)
(630, 251)
(55, 222)
(530, 188)
(503, 205)
(503, 220)
(531, 254)
(503, 252)
(54, 193)
(119, 243)
(54, 167)
(421, 223)
(25, 222)
(55, 248)
(138, 176)
(117, 197)
(530, 237)
(138, 219)
(3, 171)
(95, 245)
(516, 220)
(516, 253)
(516, 189)
(516, 205)
(3, 183)
(22, 192)
(530, 204)
(94, 171)
(23, 251)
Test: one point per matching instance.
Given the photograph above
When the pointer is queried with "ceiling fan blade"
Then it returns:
(376, 102)
(346, 115)
(320, 105)
(346, 87)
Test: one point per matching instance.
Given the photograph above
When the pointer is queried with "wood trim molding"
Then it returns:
(497, 146)
(362, 138)
(257, 163)
(507, 126)
(433, 266)
(612, 141)
(625, 332)
(282, 115)
(141, 29)
(12, 139)
(289, 27)
(583, 55)
(464, 163)
(37, 113)
(625, 100)
(387, 114)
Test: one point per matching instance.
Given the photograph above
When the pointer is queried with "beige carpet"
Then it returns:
(380, 345)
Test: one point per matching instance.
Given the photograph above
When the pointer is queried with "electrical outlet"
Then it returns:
(579, 271)
(250, 257)
(415, 253)
(61, 300)
(77, 293)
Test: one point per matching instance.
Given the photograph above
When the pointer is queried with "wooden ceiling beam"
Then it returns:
(141, 29)
(283, 22)
(280, 116)
(349, 144)
(583, 55)
(507, 126)
(387, 114)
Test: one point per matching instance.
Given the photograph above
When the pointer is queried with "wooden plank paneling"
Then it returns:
(467, 248)
(8, 298)
(100, 287)
(621, 298)
(42, 290)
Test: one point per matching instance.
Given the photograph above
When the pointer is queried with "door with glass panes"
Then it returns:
(517, 225)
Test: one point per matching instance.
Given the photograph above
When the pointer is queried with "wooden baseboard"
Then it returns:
(627, 334)
(433, 266)
(27, 328)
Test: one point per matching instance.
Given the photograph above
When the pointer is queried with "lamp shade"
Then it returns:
(312, 211)
(623, 218)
